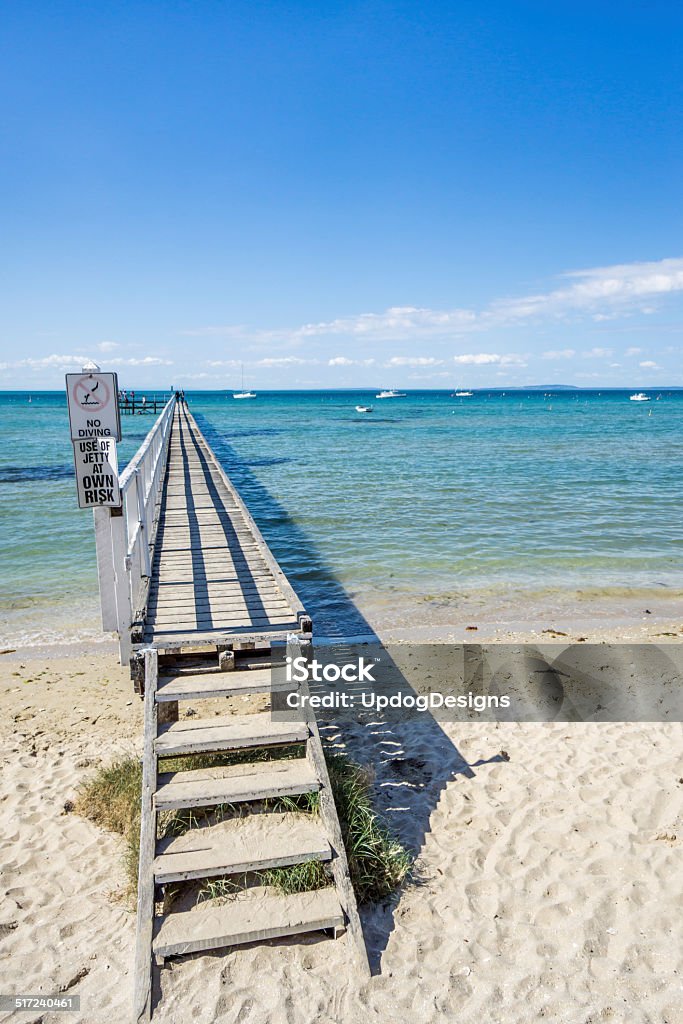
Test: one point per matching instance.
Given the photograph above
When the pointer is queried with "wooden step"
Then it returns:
(227, 732)
(252, 843)
(218, 684)
(259, 780)
(258, 914)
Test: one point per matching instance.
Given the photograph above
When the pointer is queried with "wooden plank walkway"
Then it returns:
(212, 572)
(219, 612)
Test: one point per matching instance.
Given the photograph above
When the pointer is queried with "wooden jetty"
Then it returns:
(203, 611)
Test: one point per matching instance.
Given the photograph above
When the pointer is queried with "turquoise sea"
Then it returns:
(432, 509)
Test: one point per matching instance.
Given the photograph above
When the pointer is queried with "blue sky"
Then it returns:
(370, 193)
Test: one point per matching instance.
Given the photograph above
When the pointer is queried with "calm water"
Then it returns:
(428, 506)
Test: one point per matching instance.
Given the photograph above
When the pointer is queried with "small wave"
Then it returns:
(19, 474)
(266, 462)
(256, 432)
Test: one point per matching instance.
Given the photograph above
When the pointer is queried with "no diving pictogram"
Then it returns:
(91, 393)
(93, 405)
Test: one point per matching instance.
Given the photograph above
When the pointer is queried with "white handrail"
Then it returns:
(125, 549)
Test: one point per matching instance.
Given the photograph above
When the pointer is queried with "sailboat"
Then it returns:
(243, 393)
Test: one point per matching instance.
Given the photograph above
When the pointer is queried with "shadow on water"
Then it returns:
(411, 762)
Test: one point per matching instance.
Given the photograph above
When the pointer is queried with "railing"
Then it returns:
(125, 536)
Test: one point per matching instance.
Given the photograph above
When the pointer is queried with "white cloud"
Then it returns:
(107, 346)
(144, 361)
(602, 293)
(633, 351)
(340, 361)
(486, 358)
(397, 321)
(285, 361)
(597, 353)
(46, 362)
(599, 289)
(649, 364)
(74, 362)
(414, 361)
(563, 353)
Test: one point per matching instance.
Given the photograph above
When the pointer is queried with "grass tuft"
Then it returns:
(111, 798)
(377, 862)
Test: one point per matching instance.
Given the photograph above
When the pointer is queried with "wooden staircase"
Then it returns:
(253, 839)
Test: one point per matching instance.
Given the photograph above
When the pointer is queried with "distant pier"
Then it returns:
(141, 404)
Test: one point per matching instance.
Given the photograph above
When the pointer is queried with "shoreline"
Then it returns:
(649, 629)
(436, 619)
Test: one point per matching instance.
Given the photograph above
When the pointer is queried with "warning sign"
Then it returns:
(93, 405)
(97, 472)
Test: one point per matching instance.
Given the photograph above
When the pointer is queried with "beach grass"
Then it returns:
(111, 798)
(378, 863)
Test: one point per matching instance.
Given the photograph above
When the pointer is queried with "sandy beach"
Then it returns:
(546, 883)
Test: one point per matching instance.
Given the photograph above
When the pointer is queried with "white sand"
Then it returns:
(549, 884)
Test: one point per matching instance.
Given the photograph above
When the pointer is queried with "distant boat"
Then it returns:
(462, 394)
(243, 393)
(391, 394)
(363, 408)
(639, 396)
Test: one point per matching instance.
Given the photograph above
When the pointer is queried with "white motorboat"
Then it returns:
(391, 394)
(363, 408)
(462, 394)
(639, 396)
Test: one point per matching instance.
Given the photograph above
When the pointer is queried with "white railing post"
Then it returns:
(124, 611)
(140, 490)
(105, 568)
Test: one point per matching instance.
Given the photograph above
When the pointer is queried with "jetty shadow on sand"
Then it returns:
(411, 761)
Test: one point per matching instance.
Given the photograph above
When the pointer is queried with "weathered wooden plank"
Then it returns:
(219, 684)
(258, 639)
(201, 595)
(258, 914)
(206, 593)
(260, 780)
(211, 623)
(145, 916)
(253, 843)
(227, 612)
(227, 732)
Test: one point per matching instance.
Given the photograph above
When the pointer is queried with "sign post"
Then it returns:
(95, 425)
